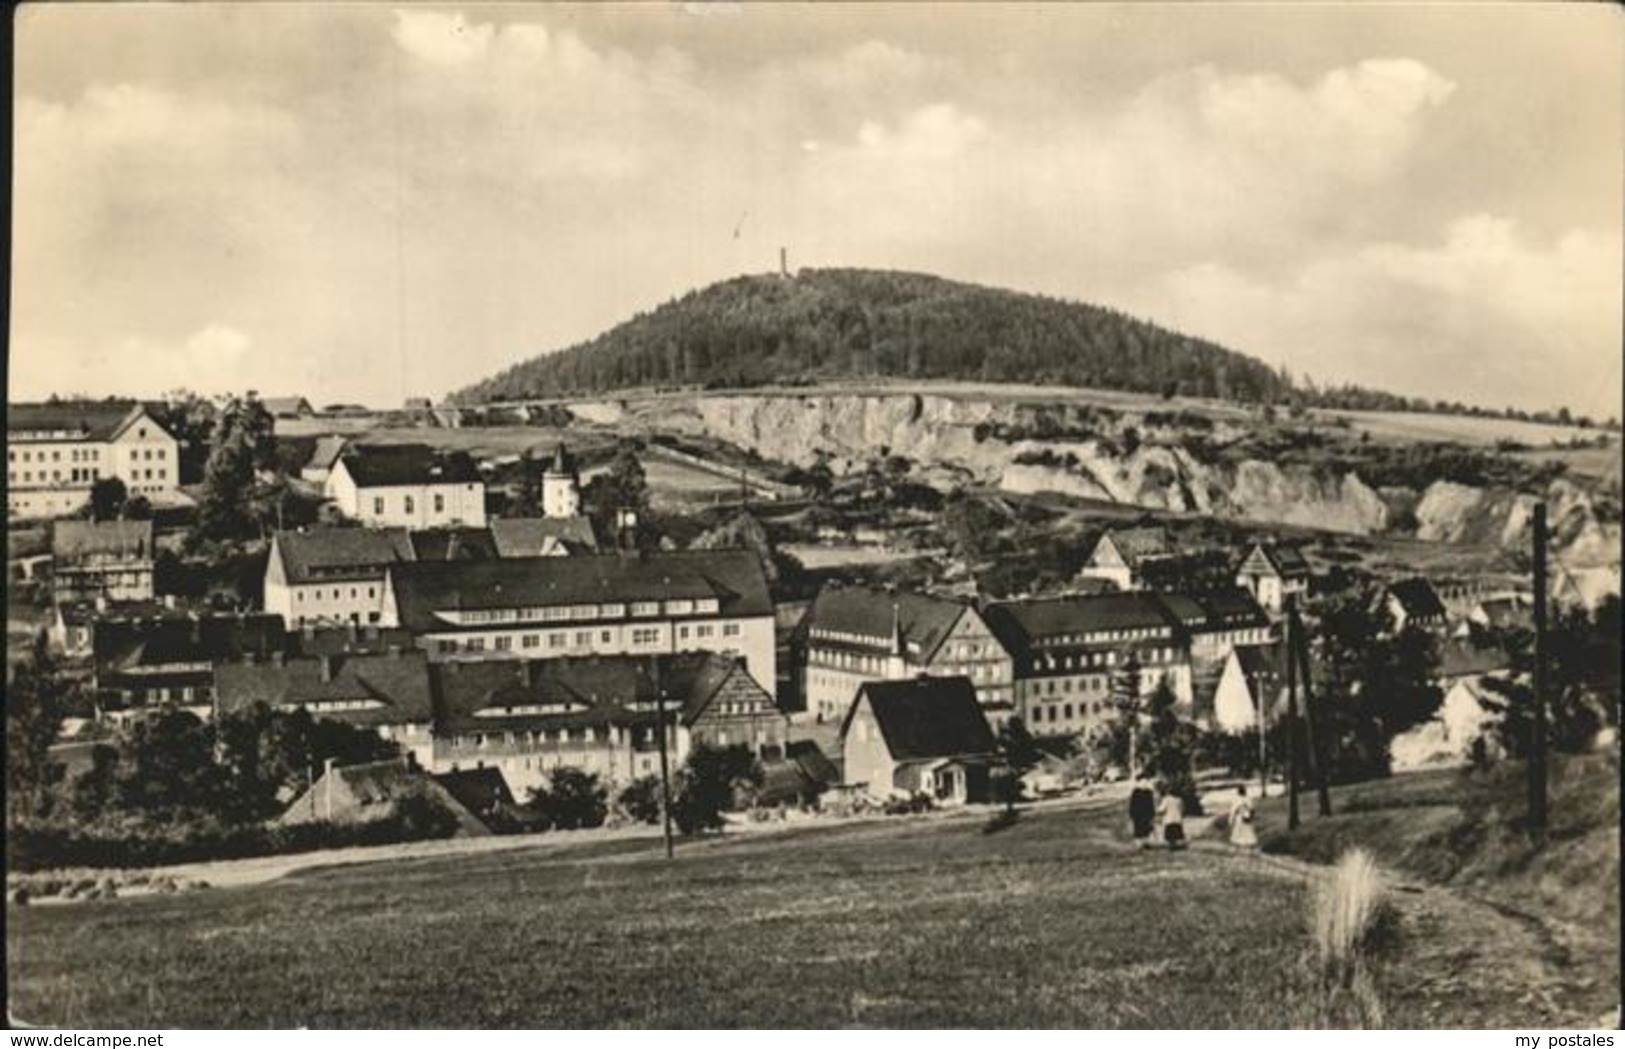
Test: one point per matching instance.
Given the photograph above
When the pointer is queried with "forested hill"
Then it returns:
(846, 323)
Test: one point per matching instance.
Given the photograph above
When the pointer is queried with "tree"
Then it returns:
(623, 487)
(1018, 752)
(166, 770)
(107, 497)
(137, 508)
(709, 783)
(527, 500)
(572, 799)
(35, 703)
(243, 443)
(640, 799)
(1168, 744)
(1582, 681)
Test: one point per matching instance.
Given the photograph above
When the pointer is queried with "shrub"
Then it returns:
(573, 799)
(640, 800)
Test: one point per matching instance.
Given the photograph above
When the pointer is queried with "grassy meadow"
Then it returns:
(1054, 922)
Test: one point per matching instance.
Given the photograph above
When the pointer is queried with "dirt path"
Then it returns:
(1461, 961)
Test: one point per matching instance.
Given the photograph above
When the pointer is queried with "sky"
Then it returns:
(366, 203)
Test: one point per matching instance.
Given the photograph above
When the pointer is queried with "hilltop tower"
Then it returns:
(561, 486)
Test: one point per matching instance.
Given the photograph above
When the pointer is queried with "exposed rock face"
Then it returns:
(957, 437)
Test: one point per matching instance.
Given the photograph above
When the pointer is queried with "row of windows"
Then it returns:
(1063, 711)
(83, 455)
(408, 504)
(612, 610)
(337, 593)
(1095, 637)
(580, 639)
(81, 474)
(1086, 660)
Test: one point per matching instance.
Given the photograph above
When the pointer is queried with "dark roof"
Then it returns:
(926, 717)
(925, 621)
(387, 465)
(1136, 544)
(1262, 662)
(313, 639)
(1417, 596)
(1466, 659)
(284, 406)
(1021, 624)
(734, 577)
(341, 553)
(813, 761)
(123, 644)
(73, 540)
(397, 682)
(79, 613)
(562, 462)
(502, 695)
(1288, 561)
(359, 788)
(480, 791)
(1231, 608)
(94, 420)
(453, 544)
(538, 536)
(327, 452)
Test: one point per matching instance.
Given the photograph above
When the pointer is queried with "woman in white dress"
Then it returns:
(1243, 835)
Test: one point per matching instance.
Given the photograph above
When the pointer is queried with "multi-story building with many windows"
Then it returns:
(1067, 650)
(550, 607)
(851, 635)
(56, 451)
(407, 486)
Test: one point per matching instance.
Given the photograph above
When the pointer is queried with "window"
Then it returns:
(645, 635)
(439, 503)
(378, 505)
(476, 644)
(504, 643)
(584, 637)
(646, 608)
(605, 636)
(530, 641)
(682, 632)
(555, 641)
(730, 630)
(406, 503)
(704, 630)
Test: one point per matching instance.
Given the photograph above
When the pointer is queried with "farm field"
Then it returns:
(1053, 922)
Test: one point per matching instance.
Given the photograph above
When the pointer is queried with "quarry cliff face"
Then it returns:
(1003, 444)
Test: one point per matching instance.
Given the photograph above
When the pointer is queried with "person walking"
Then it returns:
(1173, 821)
(1142, 812)
(1243, 835)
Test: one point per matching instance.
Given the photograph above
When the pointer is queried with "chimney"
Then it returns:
(327, 788)
(327, 667)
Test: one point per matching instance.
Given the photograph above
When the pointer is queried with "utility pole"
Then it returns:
(1261, 683)
(1291, 733)
(1536, 765)
(665, 770)
(1316, 755)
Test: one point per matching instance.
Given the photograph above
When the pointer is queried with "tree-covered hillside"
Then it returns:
(846, 323)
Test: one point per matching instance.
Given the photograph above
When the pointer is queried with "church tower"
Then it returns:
(897, 657)
(561, 486)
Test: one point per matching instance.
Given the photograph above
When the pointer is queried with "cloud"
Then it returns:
(441, 38)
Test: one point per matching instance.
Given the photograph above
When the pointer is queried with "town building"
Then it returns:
(1212, 624)
(349, 795)
(407, 486)
(598, 714)
(548, 607)
(1120, 555)
(1275, 575)
(111, 560)
(1413, 604)
(287, 407)
(927, 735)
(543, 536)
(852, 634)
(169, 661)
(1253, 681)
(332, 575)
(319, 467)
(56, 451)
(561, 486)
(386, 692)
(1066, 651)
(69, 627)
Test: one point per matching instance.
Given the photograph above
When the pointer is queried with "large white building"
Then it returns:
(55, 452)
(549, 607)
(407, 486)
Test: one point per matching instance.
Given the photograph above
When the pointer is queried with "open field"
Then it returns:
(921, 922)
(1465, 429)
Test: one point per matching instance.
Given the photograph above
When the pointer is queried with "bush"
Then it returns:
(572, 800)
(640, 800)
(711, 780)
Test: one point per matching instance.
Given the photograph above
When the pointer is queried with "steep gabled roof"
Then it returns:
(397, 683)
(539, 536)
(733, 577)
(924, 621)
(926, 718)
(1137, 544)
(341, 553)
(480, 791)
(1288, 561)
(392, 465)
(453, 544)
(92, 420)
(327, 452)
(1418, 598)
(72, 541)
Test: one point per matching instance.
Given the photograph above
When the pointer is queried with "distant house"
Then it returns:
(599, 714)
(799, 778)
(1414, 603)
(288, 407)
(543, 536)
(358, 794)
(407, 486)
(1066, 650)
(1494, 614)
(1275, 575)
(332, 575)
(102, 559)
(1119, 555)
(55, 453)
(1467, 712)
(923, 736)
(320, 465)
(419, 404)
(853, 634)
(1253, 681)
(140, 664)
(71, 624)
(386, 692)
